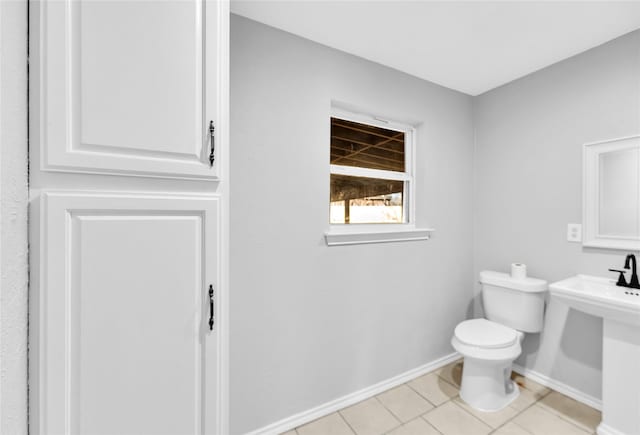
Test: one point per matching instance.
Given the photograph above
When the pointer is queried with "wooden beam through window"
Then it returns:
(391, 150)
(377, 132)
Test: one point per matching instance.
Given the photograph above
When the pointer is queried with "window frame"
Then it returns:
(356, 233)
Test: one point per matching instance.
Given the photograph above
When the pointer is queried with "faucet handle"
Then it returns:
(621, 281)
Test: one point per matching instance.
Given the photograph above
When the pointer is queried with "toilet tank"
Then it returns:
(517, 303)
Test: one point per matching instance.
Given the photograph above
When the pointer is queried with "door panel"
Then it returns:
(144, 308)
(123, 88)
(126, 308)
(140, 87)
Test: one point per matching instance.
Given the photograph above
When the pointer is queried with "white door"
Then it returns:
(127, 325)
(127, 216)
(129, 87)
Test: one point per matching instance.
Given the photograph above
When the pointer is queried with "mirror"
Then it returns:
(611, 216)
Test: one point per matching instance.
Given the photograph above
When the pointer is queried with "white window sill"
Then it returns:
(352, 235)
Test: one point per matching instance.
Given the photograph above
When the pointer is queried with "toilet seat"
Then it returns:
(485, 340)
(485, 334)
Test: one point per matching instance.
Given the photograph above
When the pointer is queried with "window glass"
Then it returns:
(366, 146)
(370, 161)
(360, 200)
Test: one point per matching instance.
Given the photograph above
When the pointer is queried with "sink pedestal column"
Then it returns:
(620, 379)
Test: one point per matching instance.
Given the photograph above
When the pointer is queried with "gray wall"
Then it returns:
(528, 187)
(311, 323)
(13, 217)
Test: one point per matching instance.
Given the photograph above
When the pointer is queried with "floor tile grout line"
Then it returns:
(393, 413)
(346, 422)
(429, 423)
(422, 395)
(397, 418)
(520, 412)
(393, 428)
(468, 413)
(563, 416)
(420, 417)
(560, 416)
(524, 429)
(573, 423)
(446, 380)
(511, 420)
(426, 398)
(424, 416)
(390, 411)
(438, 406)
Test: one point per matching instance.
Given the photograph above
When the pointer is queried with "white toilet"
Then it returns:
(512, 307)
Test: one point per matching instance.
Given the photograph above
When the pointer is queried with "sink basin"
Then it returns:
(619, 308)
(599, 297)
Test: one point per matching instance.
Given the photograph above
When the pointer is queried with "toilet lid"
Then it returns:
(485, 333)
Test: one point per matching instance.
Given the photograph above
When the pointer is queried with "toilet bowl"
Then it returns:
(489, 346)
(488, 349)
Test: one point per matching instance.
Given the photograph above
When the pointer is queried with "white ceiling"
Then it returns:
(470, 46)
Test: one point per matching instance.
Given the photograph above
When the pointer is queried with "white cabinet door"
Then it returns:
(129, 87)
(123, 340)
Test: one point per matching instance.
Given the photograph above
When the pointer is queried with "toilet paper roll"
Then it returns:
(518, 271)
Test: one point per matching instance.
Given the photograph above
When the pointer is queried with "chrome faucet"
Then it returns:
(629, 262)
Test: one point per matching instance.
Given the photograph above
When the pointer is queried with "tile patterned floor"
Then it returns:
(430, 405)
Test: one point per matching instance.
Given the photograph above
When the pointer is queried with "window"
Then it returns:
(371, 171)
(372, 188)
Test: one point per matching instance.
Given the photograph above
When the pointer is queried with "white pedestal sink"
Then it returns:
(619, 308)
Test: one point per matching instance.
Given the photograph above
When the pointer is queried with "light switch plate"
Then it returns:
(574, 232)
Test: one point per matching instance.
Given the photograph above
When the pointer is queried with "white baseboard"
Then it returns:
(348, 400)
(560, 387)
(604, 429)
